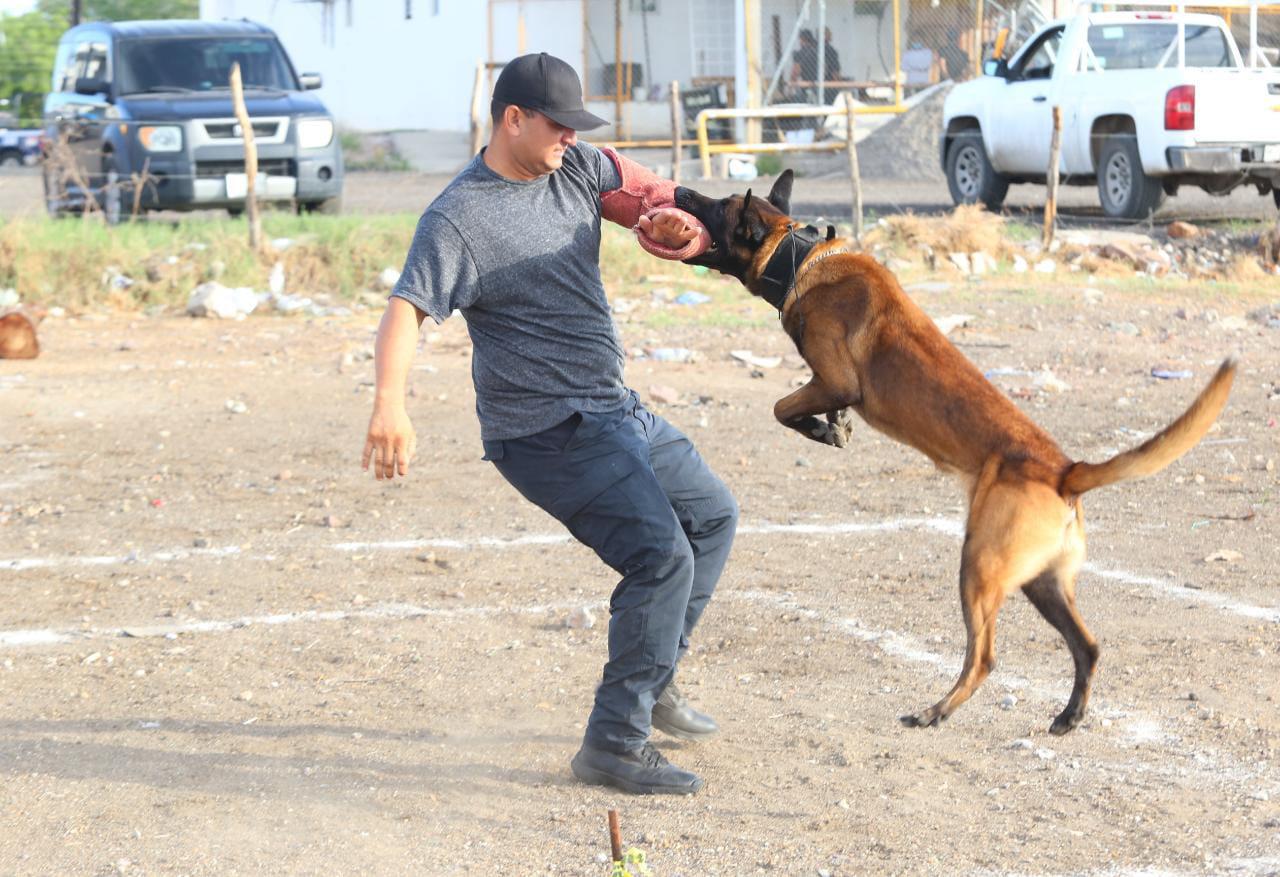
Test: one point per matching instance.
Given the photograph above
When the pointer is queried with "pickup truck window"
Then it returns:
(201, 64)
(1150, 45)
(1037, 62)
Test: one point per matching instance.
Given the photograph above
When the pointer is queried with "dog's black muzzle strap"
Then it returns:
(779, 276)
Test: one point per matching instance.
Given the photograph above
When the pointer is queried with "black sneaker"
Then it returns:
(673, 715)
(642, 771)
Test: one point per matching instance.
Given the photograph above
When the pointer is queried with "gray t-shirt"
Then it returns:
(521, 261)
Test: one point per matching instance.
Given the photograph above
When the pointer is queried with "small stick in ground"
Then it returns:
(615, 836)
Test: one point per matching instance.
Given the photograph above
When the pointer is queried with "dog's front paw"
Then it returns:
(840, 426)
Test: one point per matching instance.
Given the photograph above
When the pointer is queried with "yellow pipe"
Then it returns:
(705, 149)
(704, 146)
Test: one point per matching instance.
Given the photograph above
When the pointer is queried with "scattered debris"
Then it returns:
(663, 394)
(692, 297)
(759, 361)
(212, 299)
(1225, 555)
(581, 618)
(668, 354)
(1170, 374)
(388, 279)
(235, 406)
(954, 321)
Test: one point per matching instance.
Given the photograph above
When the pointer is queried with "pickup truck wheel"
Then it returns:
(970, 176)
(1125, 190)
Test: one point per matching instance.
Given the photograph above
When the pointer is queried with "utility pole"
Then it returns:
(75, 12)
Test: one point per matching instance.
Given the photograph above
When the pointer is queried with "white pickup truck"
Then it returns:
(1151, 100)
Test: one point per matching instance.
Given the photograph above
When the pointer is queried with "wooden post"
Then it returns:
(1051, 203)
(677, 132)
(615, 836)
(250, 160)
(855, 175)
(477, 110)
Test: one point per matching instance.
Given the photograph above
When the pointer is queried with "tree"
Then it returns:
(121, 10)
(29, 42)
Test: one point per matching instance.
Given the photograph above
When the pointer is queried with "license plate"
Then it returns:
(1271, 152)
(238, 185)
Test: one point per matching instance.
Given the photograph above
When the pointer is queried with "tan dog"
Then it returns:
(18, 335)
(874, 352)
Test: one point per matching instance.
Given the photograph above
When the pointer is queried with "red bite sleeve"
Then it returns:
(644, 193)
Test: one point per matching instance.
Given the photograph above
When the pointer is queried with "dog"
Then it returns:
(875, 353)
(18, 335)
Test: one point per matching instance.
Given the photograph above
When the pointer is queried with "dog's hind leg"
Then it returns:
(1015, 530)
(800, 409)
(981, 595)
(1053, 593)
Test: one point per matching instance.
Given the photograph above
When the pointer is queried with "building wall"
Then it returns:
(381, 71)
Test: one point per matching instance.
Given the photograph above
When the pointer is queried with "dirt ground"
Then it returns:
(226, 650)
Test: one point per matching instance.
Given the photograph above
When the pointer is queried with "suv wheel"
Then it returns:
(10, 159)
(1275, 196)
(970, 176)
(1125, 190)
(327, 207)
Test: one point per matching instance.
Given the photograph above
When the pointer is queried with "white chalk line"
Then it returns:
(1260, 866)
(390, 611)
(942, 526)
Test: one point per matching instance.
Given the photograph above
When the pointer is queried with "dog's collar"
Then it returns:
(778, 278)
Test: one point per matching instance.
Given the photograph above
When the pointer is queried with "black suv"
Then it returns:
(140, 114)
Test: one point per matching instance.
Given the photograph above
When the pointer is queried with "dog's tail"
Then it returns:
(1162, 448)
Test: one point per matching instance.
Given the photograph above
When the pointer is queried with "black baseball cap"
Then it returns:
(544, 83)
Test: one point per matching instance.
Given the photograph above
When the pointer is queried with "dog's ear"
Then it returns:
(780, 194)
(744, 215)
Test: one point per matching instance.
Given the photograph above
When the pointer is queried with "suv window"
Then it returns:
(81, 59)
(1037, 62)
(1155, 44)
(201, 64)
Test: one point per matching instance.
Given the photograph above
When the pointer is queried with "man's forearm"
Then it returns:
(393, 353)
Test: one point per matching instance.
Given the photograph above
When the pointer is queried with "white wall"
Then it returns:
(381, 71)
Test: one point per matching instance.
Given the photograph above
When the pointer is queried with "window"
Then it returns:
(1151, 45)
(1037, 62)
(202, 64)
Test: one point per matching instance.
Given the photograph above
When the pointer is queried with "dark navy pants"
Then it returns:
(632, 488)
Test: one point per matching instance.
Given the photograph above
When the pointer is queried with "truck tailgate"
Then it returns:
(1237, 106)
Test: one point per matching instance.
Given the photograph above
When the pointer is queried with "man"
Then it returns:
(804, 68)
(955, 59)
(831, 57)
(514, 244)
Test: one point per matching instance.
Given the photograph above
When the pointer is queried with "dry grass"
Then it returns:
(78, 263)
(967, 229)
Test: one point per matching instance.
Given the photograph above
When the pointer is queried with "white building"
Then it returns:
(410, 64)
